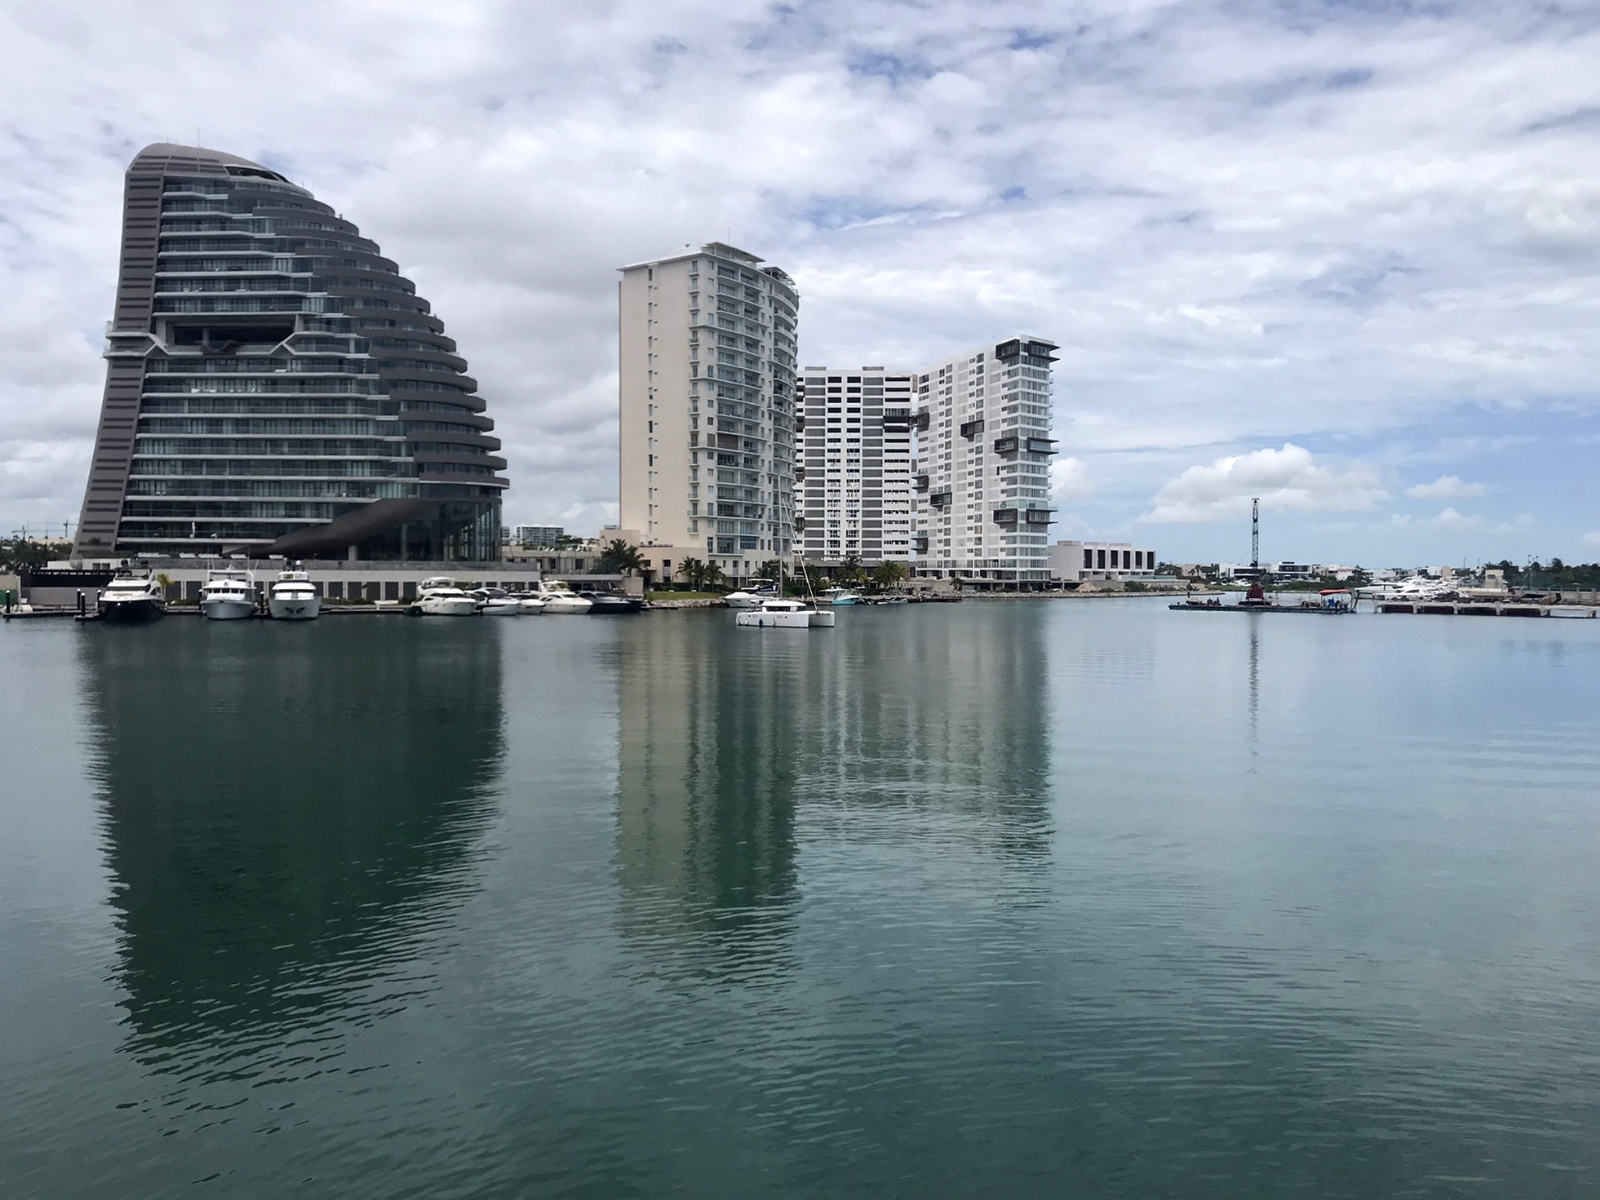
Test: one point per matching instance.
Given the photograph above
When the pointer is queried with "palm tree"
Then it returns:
(889, 574)
(850, 569)
(619, 558)
(693, 572)
(711, 578)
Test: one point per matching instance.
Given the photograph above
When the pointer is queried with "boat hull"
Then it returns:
(531, 608)
(502, 608)
(451, 607)
(759, 619)
(227, 610)
(566, 607)
(132, 612)
(294, 608)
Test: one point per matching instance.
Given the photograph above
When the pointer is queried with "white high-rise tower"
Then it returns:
(982, 477)
(855, 481)
(707, 409)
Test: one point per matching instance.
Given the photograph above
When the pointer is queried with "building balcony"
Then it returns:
(919, 545)
(1005, 516)
(920, 482)
(1039, 516)
(1039, 445)
(923, 421)
(971, 429)
(1006, 445)
(940, 499)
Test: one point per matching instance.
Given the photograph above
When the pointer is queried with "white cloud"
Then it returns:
(1446, 487)
(1242, 223)
(1592, 538)
(1449, 520)
(1069, 480)
(1287, 479)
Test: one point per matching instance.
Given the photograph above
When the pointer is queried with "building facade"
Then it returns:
(527, 536)
(982, 472)
(1076, 561)
(707, 408)
(853, 486)
(274, 385)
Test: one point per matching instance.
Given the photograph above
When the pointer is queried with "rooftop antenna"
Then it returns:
(1255, 534)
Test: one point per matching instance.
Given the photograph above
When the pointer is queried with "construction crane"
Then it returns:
(1255, 535)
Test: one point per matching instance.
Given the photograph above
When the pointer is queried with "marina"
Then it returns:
(949, 895)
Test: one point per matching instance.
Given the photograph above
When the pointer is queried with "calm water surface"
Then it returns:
(997, 899)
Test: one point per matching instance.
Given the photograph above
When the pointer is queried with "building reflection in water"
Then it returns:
(706, 806)
(897, 727)
(287, 813)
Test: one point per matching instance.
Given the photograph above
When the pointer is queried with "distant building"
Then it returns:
(707, 407)
(529, 536)
(982, 475)
(1077, 561)
(853, 486)
(275, 386)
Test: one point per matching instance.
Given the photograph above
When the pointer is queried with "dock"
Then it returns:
(1484, 608)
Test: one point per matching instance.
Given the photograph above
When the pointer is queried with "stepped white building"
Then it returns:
(982, 472)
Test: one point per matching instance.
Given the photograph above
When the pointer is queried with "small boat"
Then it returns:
(293, 598)
(783, 614)
(897, 598)
(559, 599)
(839, 595)
(132, 597)
(496, 602)
(440, 597)
(530, 604)
(228, 595)
(751, 596)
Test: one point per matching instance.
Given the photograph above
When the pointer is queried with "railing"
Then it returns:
(1005, 516)
(1005, 445)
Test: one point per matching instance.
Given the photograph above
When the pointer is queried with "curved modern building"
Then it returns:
(275, 386)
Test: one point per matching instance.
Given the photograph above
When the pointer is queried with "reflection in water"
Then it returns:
(285, 809)
(1255, 683)
(705, 810)
(730, 737)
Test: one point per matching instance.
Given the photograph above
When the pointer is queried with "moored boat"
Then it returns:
(840, 596)
(603, 604)
(293, 598)
(132, 597)
(530, 604)
(440, 597)
(496, 602)
(559, 599)
(783, 614)
(751, 595)
(228, 595)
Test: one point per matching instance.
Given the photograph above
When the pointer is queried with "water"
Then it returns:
(997, 899)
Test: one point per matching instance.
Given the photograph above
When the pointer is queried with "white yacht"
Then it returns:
(292, 598)
(496, 602)
(751, 596)
(559, 598)
(839, 595)
(132, 596)
(228, 595)
(440, 597)
(783, 614)
(530, 604)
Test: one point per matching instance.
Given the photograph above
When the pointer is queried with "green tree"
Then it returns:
(770, 569)
(889, 574)
(21, 553)
(693, 572)
(850, 570)
(712, 578)
(618, 557)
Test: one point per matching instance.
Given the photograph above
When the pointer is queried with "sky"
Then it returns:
(1340, 256)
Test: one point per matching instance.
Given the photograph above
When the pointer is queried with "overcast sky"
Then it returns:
(1341, 256)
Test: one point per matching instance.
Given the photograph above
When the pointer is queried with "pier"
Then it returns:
(1485, 608)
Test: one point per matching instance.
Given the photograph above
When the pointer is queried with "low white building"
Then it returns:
(1075, 561)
